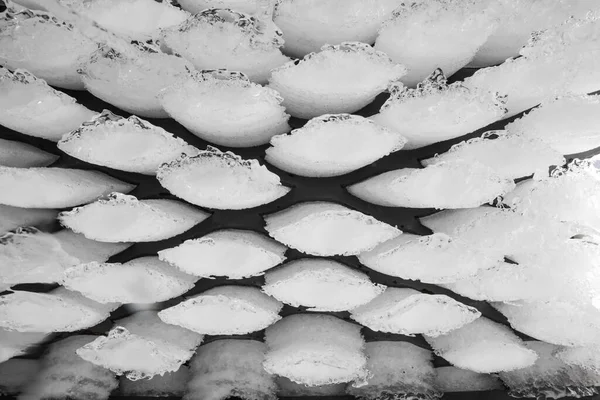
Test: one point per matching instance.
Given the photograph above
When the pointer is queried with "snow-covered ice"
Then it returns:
(222, 181)
(14, 343)
(332, 145)
(232, 253)
(225, 108)
(327, 229)
(22, 155)
(15, 217)
(435, 111)
(409, 312)
(225, 39)
(123, 218)
(15, 374)
(171, 384)
(128, 144)
(320, 285)
(452, 379)
(30, 106)
(225, 310)
(316, 349)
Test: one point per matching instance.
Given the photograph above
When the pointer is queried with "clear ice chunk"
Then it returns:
(550, 377)
(128, 144)
(232, 253)
(436, 111)
(230, 368)
(436, 258)
(452, 379)
(449, 184)
(483, 346)
(527, 154)
(55, 187)
(398, 370)
(171, 384)
(568, 124)
(250, 7)
(308, 25)
(225, 310)
(15, 217)
(142, 280)
(409, 312)
(225, 39)
(222, 181)
(141, 346)
(288, 388)
(13, 343)
(23, 155)
(225, 108)
(320, 285)
(315, 350)
(123, 218)
(64, 375)
(586, 357)
(332, 145)
(58, 311)
(327, 229)
(425, 35)
(15, 375)
(29, 106)
(338, 79)
(132, 80)
(46, 46)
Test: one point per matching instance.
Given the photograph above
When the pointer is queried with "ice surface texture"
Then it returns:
(338, 79)
(452, 379)
(243, 6)
(225, 39)
(22, 155)
(232, 253)
(223, 181)
(169, 384)
(425, 35)
(14, 343)
(49, 48)
(409, 312)
(123, 218)
(315, 350)
(225, 108)
(225, 310)
(15, 217)
(55, 187)
(29, 106)
(15, 374)
(332, 145)
(435, 111)
(327, 229)
(128, 144)
(288, 388)
(321, 285)
(226, 368)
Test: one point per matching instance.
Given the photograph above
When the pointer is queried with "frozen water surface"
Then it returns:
(449, 184)
(483, 346)
(315, 350)
(14, 343)
(425, 35)
(232, 253)
(23, 155)
(321, 285)
(225, 108)
(398, 370)
(55, 187)
(15, 374)
(123, 218)
(170, 384)
(243, 6)
(131, 80)
(338, 79)
(222, 181)
(452, 379)
(15, 217)
(128, 144)
(142, 280)
(409, 312)
(29, 106)
(223, 38)
(332, 145)
(527, 154)
(436, 111)
(327, 229)
(44, 45)
(288, 388)
(230, 367)
(586, 357)
(225, 310)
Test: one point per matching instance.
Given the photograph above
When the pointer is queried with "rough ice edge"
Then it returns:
(24, 77)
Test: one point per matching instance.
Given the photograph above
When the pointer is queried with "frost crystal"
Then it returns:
(235, 254)
(326, 229)
(332, 145)
(129, 144)
(22, 155)
(15, 217)
(171, 384)
(225, 108)
(452, 379)
(13, 344)
(225, 310)
(223, 181)
(123, 218)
